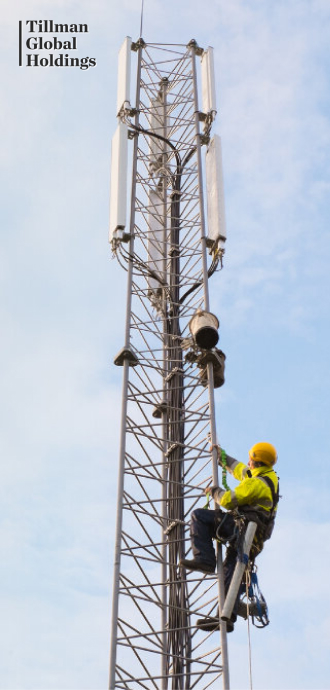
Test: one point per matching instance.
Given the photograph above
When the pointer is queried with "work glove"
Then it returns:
(221, 453)
(213, 490)
(215, 445)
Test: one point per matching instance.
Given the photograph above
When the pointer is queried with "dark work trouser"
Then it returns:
(203, 527)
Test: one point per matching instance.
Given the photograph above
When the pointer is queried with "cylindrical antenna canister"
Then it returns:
(204, 328)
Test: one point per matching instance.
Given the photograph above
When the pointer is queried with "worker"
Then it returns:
(255, 498)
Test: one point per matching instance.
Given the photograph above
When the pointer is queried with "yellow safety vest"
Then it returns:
(251, 491)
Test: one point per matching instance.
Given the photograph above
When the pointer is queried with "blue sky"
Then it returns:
(62, 312)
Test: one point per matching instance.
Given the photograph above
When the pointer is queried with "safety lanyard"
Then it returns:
(224, 469)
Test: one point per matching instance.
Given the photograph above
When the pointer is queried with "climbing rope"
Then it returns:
(247, 580)
(250, 656)
(256, 607)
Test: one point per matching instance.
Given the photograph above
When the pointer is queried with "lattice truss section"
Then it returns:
(167, 424)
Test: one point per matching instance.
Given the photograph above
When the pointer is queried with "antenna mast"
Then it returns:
(171, 366)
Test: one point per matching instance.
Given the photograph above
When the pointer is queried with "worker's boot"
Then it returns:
(210, 624)
(196, 564)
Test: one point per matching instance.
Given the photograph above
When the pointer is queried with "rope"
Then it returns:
(248, 627)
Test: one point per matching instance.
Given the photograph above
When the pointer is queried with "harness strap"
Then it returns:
(275, 496)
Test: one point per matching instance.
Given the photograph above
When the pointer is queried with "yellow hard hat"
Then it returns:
(263, 452)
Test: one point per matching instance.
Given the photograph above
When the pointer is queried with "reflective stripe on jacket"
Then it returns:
(251, 491)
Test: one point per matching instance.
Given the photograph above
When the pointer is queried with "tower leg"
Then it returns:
(238, 573)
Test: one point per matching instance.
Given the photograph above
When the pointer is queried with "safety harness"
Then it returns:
(264, 521)
(275, 499)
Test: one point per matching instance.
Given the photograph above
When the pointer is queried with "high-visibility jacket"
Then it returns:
(252, 491)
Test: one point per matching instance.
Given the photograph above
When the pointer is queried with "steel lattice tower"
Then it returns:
(168, 417)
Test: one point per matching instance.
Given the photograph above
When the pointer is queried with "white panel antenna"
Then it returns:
(215, 193)
(124, 74)
(208, 82)
(119, 148)
(118, 190)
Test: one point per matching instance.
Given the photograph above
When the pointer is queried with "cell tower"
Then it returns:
(171, 365)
